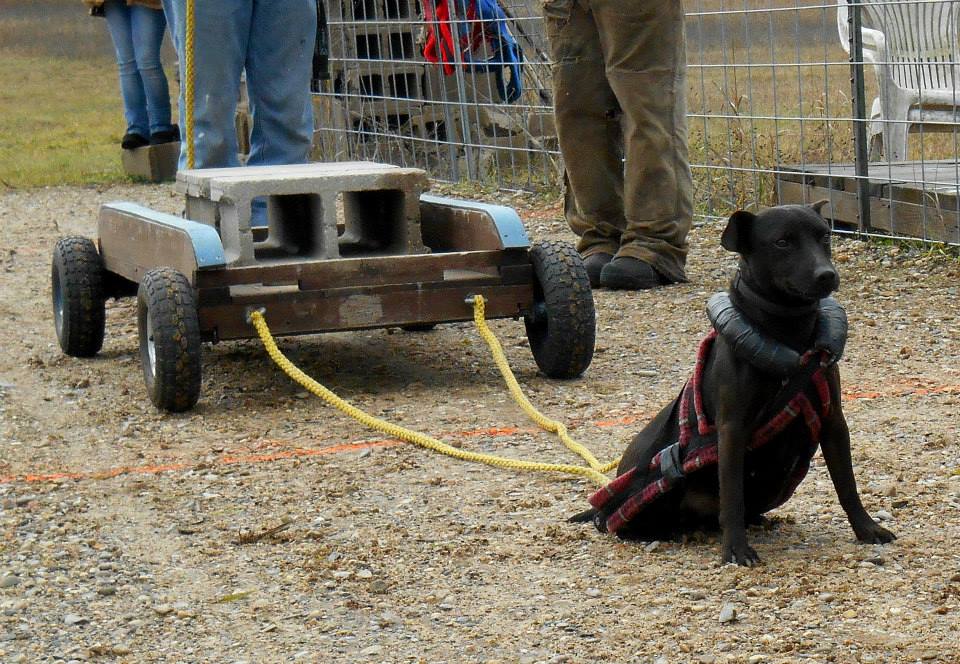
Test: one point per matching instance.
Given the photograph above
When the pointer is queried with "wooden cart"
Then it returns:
(346, 247)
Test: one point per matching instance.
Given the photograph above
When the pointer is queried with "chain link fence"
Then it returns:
(788, 101)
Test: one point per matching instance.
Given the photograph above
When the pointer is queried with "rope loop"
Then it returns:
(594, 470)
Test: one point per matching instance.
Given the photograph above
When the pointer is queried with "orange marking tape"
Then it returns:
(910, 387)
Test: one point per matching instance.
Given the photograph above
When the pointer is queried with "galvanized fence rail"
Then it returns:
(788, 101)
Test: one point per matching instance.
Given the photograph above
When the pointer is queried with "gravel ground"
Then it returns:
(132, 536)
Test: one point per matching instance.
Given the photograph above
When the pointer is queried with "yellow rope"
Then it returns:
(189, 76)
(594, 472)
(544, 422)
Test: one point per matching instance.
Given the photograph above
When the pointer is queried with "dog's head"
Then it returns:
(785, 251)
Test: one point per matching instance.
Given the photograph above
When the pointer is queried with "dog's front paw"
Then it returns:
(740, 553)
(873, 533)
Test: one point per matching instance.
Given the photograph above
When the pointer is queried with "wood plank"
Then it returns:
(893, 216)
(258, 294)
(369, 271)
(842, 206)
(131, 247)
(323, 311)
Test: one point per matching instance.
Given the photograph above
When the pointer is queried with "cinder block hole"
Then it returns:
(368, 47)
(373, 223)
(365, 9)
(401, 46)
(365, 130)
(435, 131)
(394, 122)
(371, 85)
(398, 8)
(404, 85)
(294, 227)
(340, 85)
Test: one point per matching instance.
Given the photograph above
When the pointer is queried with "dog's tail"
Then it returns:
(583, 517)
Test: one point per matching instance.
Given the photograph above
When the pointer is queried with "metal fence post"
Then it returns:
(855, 24)
(468, 149)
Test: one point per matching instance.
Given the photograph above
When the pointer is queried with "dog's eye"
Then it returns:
(782, 243)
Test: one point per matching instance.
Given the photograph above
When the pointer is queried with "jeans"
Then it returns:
(273, 40)
(137, 33)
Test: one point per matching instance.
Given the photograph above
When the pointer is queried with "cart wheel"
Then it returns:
(418, 327)
(562, 326)
(79, 313)
(169, 339)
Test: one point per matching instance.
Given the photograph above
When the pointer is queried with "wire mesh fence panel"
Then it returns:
(909, 56)
(463, 89)
(438, 91)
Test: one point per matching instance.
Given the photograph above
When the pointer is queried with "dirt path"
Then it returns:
(395, 555)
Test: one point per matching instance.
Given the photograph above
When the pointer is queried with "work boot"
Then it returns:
(627, 273)
(595, 264)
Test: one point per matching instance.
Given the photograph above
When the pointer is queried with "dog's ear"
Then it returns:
(735, 235)
(816, 207)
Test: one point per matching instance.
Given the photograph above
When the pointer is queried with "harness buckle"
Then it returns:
(671, 466)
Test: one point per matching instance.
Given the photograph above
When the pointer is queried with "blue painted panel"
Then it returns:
(512, 233)
(207, 246)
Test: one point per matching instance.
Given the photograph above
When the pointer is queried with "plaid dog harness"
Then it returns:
(805, 394)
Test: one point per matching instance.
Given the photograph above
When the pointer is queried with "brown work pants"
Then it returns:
(619, 77)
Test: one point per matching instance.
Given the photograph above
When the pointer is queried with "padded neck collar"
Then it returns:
(766, 353)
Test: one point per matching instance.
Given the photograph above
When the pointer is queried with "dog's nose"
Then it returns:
(827, 279)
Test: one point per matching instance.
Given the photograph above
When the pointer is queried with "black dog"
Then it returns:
(766, 391)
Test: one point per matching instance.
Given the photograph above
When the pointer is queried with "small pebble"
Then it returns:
(728, 613)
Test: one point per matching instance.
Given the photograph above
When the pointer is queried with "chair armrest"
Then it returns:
(874, 43)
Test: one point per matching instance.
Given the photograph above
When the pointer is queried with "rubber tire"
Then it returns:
(79, 305)
(173, 377)
(562, 331)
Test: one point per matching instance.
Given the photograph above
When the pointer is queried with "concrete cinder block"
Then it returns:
(378, 205)
(156, 163)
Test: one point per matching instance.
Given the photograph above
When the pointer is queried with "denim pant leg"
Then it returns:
(148, 26)
(170, 14)
(131, 87)
(279, 65)
(221, 30)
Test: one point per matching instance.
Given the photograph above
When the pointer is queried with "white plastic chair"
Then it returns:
(913, 48)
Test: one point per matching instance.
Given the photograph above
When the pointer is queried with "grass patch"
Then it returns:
(60, 121)
(61, 114)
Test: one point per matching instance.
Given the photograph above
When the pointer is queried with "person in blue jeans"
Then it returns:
(136, 28)
(273, 40)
